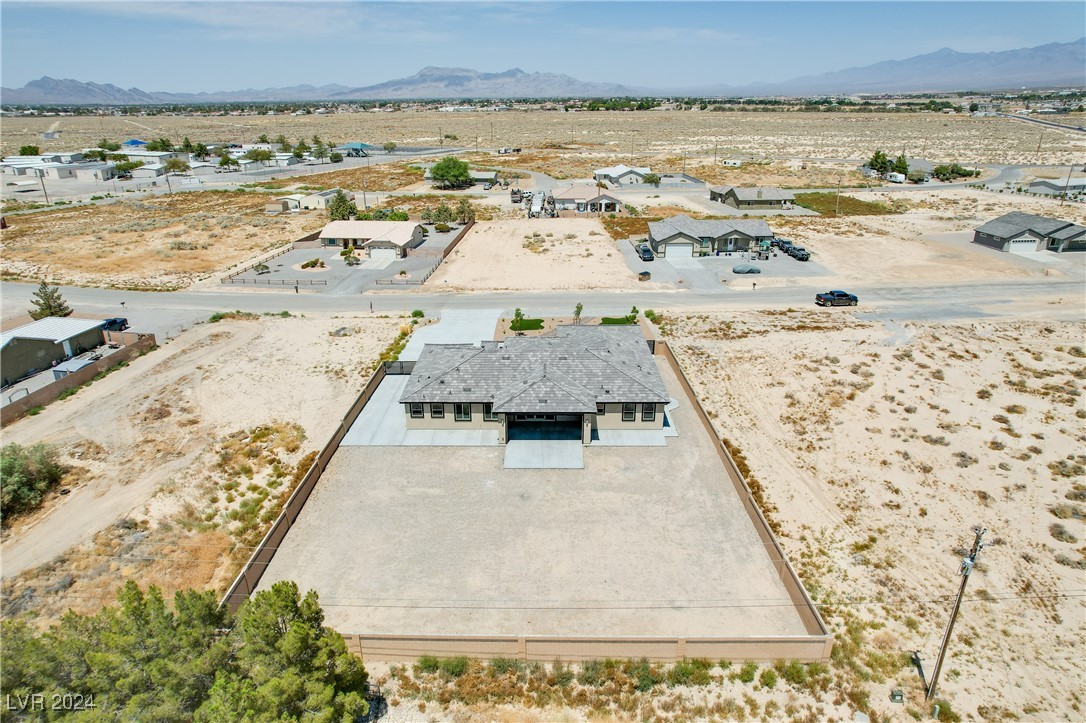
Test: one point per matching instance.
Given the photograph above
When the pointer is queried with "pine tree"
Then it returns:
(901, 165)
(340, 208)
(47, 301)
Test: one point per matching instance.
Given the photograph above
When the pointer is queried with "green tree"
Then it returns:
(26, 475)
(320, 152)
(29, 151)
(95, 154)
(577, 313)
(974, 107)
(335, 157)
(302, 146)
(47, 301)
(451, 172)
(259, 154)
(901, 165)
(161, 145)
(186, 145)
(341, 208)
(389, 147)
(201, 151)
(879, 162)
(651, 179)
(442, 214)
(263, 138)
(175, 165)
(465, 211)
(109, 145)
(518, 321)
(126, 167)
(227, 161)
(316, 140)
(449, 137)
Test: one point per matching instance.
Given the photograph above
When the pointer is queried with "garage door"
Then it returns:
(680, 251)
(383, 254)
(1023, 244)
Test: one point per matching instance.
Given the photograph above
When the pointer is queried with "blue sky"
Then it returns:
(214, 45)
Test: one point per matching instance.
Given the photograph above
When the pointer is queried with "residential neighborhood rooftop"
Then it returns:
(398, 233)
(569, 372)
(1016, 222)
(51, 328)
(708, 228)
(756, 193)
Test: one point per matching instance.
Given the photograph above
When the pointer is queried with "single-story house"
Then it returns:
(276, 206)
(203, 169)
(58, 170)
(154, 157)
(583, 378)
(293, 201)
(96, 172)
(1018, 231)
(731, 163)
(678, 179)
(284, 160)
(152, 171)
(621, 175)
(33, 347)
(319, 201)
(586, 199)
(1056, 187)
(752, 198)
(381, 239)
(684, 237)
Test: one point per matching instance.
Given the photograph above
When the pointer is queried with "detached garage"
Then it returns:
(36, 346)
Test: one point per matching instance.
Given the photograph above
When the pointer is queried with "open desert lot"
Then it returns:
(454, 544)
(180, 460)
(157, 242)
(878, 445)
(535, 255)
(631, 134)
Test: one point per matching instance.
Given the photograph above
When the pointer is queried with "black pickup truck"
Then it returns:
(836, 298)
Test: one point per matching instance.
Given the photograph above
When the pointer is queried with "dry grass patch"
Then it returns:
(158, 242)
(383, 177)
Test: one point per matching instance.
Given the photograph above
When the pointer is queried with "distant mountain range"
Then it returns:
(1052, 65)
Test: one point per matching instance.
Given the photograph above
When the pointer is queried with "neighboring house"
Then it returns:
(1018, 231)
(685, 237)
(679, 179)
(276, 206)
(586, 199)
(1055, 187)
(293, 201)
(203, 169)
(153, 171)
(319, 201)
(581, 379)
(621, 175)
(96, 172)
(33, 347)
(381, 239)
(731, 163)
(58, 170)
(153, 157)
(752, 198)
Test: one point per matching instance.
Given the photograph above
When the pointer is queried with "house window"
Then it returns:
(648, 412)
(629, 412)
(488, 413)
(416, 410)
(462, 412)
(437, 411)
(601, 409)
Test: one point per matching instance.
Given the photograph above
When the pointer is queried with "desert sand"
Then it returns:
(146, 444)
(534, 255)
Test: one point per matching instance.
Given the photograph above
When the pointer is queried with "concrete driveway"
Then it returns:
(461, 326)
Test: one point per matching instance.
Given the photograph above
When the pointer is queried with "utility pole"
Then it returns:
(41, 179)
(967, 567)
(1039, 141)
(1067, 184)
(837, 209)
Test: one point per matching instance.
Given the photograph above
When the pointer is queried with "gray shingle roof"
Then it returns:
(751, 194)
(1015, 222)
(568, 372)
(707, 228)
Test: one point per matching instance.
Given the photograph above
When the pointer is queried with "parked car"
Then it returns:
(836, 298)
(801, 255)
(746, 269)
(784, 244)
(776, 242)
(645, 252)
(115, 324)
(487, 186)
(795, 251)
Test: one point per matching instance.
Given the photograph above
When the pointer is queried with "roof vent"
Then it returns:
(563, 358)
(542, 401)
(506, 357)
(467, 389)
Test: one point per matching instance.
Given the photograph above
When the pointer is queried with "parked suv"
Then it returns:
(784, 244)
(117, 324)
(645, 252)
(800, 254)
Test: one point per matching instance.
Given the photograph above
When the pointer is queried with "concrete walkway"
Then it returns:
(460, 326)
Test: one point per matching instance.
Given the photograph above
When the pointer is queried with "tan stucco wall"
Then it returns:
(428, 422)
(613, 419)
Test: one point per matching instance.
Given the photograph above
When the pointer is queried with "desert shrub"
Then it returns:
(26, 475)
(646, 676)
(427, 664)
(768, 678)
(563, 674)
(940, 441)
(793, 672)
(748, 672)
(418, 313)
(442, 227)
(591, 672)
(1014, 409)
(690, 672)
(454, 667)
(1063, 468)
(965, 459)
(1067, 512)
(501, 666)
(1061, 533)
(984, 394)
